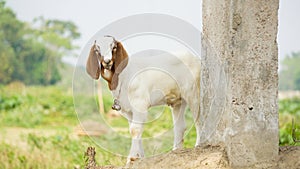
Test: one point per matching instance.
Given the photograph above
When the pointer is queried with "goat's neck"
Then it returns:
(112, 76)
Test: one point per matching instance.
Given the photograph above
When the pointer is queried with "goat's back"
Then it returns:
(161, 79)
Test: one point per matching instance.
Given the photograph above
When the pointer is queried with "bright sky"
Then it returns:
(92, 15)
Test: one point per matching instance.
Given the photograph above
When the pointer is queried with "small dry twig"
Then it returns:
(90, 162)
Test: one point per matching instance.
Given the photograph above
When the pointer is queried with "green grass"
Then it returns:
(37, 128)
(58, 151)
(289, 109)
(36, 107)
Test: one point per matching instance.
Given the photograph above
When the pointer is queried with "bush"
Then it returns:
(36, 107)
(289, 109)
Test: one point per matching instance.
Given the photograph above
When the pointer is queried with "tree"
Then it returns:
(9, 33)
(6, 69)
(57, 36)
(289, 75)
(32, 53)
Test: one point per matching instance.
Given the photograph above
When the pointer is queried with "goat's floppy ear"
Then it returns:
(92, 64)
(121, 58)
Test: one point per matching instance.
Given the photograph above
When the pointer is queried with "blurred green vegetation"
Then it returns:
(289, 75)
(35, 106)
(38, 128)
(31, 52)
(289, 109)
(38, 124)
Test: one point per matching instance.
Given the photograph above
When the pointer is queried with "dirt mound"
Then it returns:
(289, 157)
(208, 157)
(212, 157)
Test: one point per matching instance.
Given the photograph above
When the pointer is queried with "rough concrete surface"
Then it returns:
(239, 82)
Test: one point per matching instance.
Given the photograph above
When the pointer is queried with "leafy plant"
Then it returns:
(7, 103)
(289, 109)
(36, 107)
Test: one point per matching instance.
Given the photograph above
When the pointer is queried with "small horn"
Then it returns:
(111, 37)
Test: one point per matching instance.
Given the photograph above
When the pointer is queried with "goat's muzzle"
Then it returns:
(107, 64)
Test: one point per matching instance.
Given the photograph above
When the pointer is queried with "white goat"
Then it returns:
(137, 83)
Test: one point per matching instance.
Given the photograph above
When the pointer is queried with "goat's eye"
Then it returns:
(114, 49)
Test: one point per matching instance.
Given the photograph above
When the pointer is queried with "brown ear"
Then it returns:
(120, 58)
(92, 64)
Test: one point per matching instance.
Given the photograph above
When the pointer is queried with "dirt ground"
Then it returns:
(212, 158)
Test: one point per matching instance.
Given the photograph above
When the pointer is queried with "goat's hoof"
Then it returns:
(130, 161)
(133, 159)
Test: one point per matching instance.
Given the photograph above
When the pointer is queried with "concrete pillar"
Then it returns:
(240, 79)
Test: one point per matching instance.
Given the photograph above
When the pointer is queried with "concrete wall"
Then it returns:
(239, 79)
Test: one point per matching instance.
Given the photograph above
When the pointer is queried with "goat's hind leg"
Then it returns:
(193, 103)
(179, 124)
(196, 115)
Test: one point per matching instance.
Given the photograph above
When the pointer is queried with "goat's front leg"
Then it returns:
(179, 124)
(136, 131)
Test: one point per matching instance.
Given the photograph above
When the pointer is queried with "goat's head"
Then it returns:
(108, 48)
(110, 55)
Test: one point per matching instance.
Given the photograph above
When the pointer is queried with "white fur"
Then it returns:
(106, 46)
(157, 80)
